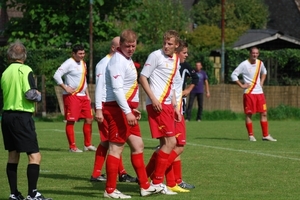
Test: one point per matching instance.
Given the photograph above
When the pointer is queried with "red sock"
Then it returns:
(151, 164)
(249, 127)
(87, 131)
(112, 164)
(177, 171)
(70, 135)
(264, 127)
(170, 178)
(99, 160)
(173, 155)
(138, 164)
(160, 167)
(121, 169)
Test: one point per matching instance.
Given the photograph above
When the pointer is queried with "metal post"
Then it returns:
(91, 69)
(223, 42)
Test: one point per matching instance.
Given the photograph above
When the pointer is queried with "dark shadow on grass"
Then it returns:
(53, 149)
(64, 177)
(150, 148)
(218, 138)
(72, 192)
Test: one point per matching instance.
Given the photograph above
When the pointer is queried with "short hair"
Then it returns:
(252, 48)
(182, 44)
(16, 51)
(128, 35)
(171, 34)
(77, 47)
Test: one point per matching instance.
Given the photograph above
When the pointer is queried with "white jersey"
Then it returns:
(121, 81)
(178, 83)
(160, 70)
(100, 89)
(251, 74)
(74, 74)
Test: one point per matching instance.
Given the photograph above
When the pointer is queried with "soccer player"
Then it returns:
(18, 129)
(157, 80)
(100, 93)
(120, 112)
(254, 74)
(76, 98)
(174, 172)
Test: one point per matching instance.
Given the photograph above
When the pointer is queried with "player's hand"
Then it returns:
(99, 116)
(137, 114)
(131, 119)
(69, 89)
(156, 105)
(178, 116)
(246, 85)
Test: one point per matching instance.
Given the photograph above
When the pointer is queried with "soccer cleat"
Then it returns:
(89, 148)
(127, 178)
(164, 190)
(269, 138)
(38, 196)
(151, 190)
(75, 150)
(116, 194)
(100, 178)
(185, 185)
(252, 138)
(176, 188)
(16, 197)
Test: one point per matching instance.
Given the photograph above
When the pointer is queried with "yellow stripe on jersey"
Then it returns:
(254, 80)
(132, 91)
(82, 80)
(167, 89)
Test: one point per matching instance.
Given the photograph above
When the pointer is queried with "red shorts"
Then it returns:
(118, 129)
(103, 129)
(161, 124)
(254, 103)
(77, 107)
(180, 131)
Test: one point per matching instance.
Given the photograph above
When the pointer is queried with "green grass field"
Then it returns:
(218, 160)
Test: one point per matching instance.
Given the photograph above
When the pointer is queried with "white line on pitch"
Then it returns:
(207, 146)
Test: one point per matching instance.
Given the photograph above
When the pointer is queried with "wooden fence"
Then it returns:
(225, 97)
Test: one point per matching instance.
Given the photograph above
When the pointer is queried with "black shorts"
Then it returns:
(18, 132)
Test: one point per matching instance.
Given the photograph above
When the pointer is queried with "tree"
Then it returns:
(239, 16)
(57, 22)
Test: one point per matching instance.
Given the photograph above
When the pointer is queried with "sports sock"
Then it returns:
(33, 171)
(249, 127)
(70, 135)
(151, 164)
(112, 164)
(170, 178)
(87, 132)
(138, 164)
(121, 169)
(99, 160)
(160, 167)
(177, 171)
(264, 127)
(11, 172)
(173, 155)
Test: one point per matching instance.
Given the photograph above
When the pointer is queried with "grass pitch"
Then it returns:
(218, 159)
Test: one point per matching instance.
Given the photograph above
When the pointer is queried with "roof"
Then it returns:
(267, 39)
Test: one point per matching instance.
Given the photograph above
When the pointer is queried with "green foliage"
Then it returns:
(249, 13)
(239, 17)
(283, 112)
